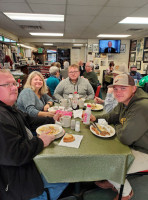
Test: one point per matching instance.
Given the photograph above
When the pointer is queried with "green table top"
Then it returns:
(96, 159)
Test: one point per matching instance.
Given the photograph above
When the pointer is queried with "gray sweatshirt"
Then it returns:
(66, 87)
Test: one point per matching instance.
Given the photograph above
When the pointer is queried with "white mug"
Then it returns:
(63, 102)
(65, 121)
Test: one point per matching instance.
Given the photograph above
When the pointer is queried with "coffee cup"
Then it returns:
(64, 102)
(65, 121)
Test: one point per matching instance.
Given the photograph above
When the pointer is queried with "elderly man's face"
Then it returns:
(124, 94)
(134, 69)
(8, 93)
(73, 73)
(109, 44)
(88, 68)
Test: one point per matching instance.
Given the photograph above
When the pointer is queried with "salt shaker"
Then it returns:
(72, 124)
(77, 126)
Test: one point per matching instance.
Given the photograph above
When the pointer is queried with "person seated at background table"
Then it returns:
(82, 67)
(74, 83)
(109, 49)
(134, 73)
(110, 102)
(64, 72)
(130, 118)
(7, 59)
(20, 179)
(111, 68)
(53, 80)
(33, 99)
(91, 75)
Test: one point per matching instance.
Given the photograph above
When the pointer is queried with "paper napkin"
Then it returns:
(74, 144)
(77, 113)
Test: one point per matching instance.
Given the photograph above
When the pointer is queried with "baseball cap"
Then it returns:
(133, 66)
(124, 80)
(120, 69)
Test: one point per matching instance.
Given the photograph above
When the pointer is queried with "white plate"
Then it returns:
(98, 106)
(56, 126)
(60, 135)
(112, 132)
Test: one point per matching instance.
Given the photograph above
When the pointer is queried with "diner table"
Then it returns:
(96, 159)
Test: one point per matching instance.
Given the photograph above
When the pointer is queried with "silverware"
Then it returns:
(94, 125)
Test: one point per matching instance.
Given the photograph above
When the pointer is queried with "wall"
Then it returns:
(103, 60)
(139, 49)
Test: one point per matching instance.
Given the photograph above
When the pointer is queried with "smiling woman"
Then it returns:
(33, 99)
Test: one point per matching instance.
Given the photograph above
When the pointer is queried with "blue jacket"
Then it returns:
(136, 76)
(52, 83)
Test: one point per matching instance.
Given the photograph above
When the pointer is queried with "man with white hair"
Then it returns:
(91, 75)
(53, 80)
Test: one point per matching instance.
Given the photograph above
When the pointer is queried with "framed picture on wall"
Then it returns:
(132, 57)
(133, 45)
(138, 64)
(145, 56)
(146, 43)
(122, 48)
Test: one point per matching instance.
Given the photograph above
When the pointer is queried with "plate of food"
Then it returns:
(106, 131)
(95, 107)
(50, 129)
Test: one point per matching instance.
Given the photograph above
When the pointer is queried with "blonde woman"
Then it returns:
(33, 99)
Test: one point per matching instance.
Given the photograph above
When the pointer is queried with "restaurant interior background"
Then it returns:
(84, 20)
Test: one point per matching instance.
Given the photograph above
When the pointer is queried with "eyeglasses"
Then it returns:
(8, 85)
(73, 72)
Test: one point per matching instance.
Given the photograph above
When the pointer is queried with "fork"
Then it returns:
(94, 125)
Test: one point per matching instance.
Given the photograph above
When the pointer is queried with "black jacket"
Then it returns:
(19, 177)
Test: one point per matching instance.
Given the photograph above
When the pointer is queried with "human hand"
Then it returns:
(98, 100)
(47, 139)
(57, 116)
(110, 90)
(92, 118)
(46, 107)
(51, 113)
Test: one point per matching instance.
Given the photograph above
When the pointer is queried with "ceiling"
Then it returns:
(84, 19)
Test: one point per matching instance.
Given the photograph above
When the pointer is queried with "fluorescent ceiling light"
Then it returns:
(47, 44)
(78, 45)
(34, 17)
(25, 46)
(113, 36)
(134, 20)
(46, 34)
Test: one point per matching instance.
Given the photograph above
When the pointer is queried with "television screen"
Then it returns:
(51, 51)
(109, 46)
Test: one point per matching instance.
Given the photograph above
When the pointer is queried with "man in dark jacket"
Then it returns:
(130, 118)
(19, 177)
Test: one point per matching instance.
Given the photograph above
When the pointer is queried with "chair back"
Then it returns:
(98, 91)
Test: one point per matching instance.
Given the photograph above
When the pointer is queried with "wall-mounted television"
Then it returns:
(109, 46)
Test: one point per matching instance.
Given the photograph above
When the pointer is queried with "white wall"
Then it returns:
(104, 60)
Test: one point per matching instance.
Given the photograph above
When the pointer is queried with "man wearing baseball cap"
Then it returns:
(131, 119)
(110, 102)
(134, 73)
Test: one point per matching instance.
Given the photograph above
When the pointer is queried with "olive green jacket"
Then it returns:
(131, 122)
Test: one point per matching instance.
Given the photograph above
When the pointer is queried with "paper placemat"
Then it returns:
(74, 144)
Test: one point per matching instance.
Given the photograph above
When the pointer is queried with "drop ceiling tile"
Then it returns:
(127, 3)
(83, 10)
(54, 27)
(87, 2)
(29, 23)
(14, 7)
(116, 11)
(48, 9)
(12, 1)
(141, 12)
(52, 2)
(78, 19)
